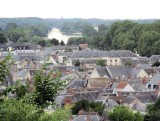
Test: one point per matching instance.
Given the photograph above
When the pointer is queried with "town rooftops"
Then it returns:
(98, 54)
(155, 80)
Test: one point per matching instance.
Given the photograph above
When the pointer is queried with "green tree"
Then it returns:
(102, 29)
(54, 41)
(11, 25)
(57, 115)
(156, 64)
(82, 104)
(3, 39)
(15, 34)
(47, 85)
(101, 62)
(87, 106)
(121, 113)
(42, 43)
(62, 42)
(19, 89)
(16, 110)
(128, 63)
(4, 68)
(147, 43)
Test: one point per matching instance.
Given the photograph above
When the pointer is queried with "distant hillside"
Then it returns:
(60, 22)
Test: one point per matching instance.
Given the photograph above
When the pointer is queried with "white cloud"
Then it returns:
(108, 9)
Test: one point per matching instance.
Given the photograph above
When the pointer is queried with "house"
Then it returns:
(63, 56)
(111, 57)
(100, 72)
(140, 73)
(123, 87)
(65, 48)
(154, 83)
(98, 82)
(3, 48)
(21, 75)
(51, 60)
(116, 73)
(83, 46)
(24, 48)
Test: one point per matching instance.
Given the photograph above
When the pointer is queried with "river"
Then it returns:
(56, 33)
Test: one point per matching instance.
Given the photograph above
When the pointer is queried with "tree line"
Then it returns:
(126, 35)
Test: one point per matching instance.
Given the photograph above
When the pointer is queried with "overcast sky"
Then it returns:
(106, 9)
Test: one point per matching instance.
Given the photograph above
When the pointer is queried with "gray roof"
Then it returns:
(148, 98)
(129, 99)
(155, 79)
(85, 61)
(118, 71)
(102, 71)
(99, 54)
(111, 103)
(65, 53)
(90, 96)
(22, 73)
(76, 82)
(62, 47)
(154, 58)
(139, 107)
(84, 118)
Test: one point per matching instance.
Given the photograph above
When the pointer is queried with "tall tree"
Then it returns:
(47, 85)
(3, 39)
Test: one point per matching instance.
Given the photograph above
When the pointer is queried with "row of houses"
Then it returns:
(116, 84)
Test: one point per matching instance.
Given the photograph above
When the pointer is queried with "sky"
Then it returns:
(103, 9)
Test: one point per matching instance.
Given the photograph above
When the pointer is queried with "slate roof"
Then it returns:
(148, 98)
(155, 79)
(141, 107)
(84, 118)
(3, 47)
(118, 71)
(99, 54)
(76, 82)
(103, 72)
(129, 99)
(91, 96)
(65, 53)
(86, 61)
(28, 45)
(63, 47)
(22, 73)
(154, 58)
(111, 103)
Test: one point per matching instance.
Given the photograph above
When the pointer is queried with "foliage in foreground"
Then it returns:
(87, 106)
(16, 110)
(153, 112)
(121, 113)
(47, 85)
(58, 115)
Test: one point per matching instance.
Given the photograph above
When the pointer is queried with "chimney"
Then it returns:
(71, 118)
(88, 117)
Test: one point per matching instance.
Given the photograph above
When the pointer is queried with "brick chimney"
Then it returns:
(71, 118)
(88, 117)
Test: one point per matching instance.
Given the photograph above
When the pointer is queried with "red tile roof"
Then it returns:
(122, 85)
(83, 45)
